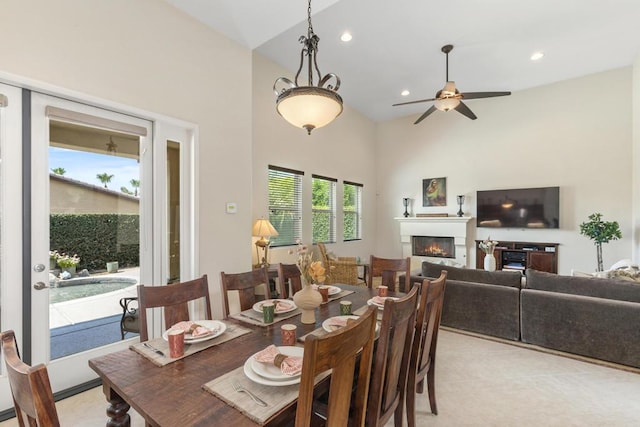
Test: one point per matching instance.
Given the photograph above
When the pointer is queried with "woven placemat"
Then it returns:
(276, 398)
(232, 331)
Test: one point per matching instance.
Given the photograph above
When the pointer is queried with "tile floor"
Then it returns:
(481, 382)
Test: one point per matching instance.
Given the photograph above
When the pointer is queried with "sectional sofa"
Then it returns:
(592, 317)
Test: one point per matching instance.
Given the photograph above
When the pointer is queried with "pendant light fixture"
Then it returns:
(311, 106)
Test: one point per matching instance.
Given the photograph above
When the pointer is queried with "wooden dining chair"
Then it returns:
(30, 387)
(339, 351)
(388, 269)
(174, 300)
(423, 353)
(246, 284)
(391, 363)
(289, 279)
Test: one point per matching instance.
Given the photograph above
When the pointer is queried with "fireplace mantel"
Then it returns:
(460, 228)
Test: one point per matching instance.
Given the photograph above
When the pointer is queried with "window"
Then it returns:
(285, 204)
(323, 207)
(352, 210)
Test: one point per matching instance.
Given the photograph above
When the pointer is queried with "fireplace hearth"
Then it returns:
(433, 246)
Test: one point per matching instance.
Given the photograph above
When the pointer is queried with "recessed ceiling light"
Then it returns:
(405, 93)
(536, 56)
(346, 36)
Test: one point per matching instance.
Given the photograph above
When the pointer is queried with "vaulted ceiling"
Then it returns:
(396, 44)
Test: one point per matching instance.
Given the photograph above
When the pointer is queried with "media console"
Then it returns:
(522, 255)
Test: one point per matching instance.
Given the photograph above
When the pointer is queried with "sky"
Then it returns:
(84, 166)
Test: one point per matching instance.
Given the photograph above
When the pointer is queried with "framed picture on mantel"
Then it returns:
(434, 192)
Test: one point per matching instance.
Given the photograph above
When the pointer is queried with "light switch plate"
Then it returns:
(232, 207)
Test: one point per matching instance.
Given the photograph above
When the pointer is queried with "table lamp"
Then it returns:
(263, 229)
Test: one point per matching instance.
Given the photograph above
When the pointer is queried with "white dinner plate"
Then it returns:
(380, 306)
(258, 306)
(272, 372)
(326, 325)
(334, 290)
(255, 377)
(214, 325)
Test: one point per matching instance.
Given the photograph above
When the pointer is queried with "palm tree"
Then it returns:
(125, 190)
(59, 171)
(104, 178)
(135, 183)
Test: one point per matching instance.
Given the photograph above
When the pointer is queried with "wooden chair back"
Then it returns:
(425, 341)
(388, 270)
(246, 284)
(289, 278)
(323, 253)
(30, 387)
(339, 351)
(391, 363)
(173, 299)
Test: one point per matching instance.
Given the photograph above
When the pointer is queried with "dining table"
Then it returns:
(174, 394)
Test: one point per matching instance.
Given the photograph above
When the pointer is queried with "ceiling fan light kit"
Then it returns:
(312, 106)
(450, 98)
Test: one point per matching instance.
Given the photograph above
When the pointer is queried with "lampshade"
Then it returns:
(309, 107)
(263, 228)
(446, 104)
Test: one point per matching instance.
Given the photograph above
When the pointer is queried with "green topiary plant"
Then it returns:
(600, 232)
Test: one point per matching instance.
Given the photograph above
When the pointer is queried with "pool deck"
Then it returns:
(95, 307)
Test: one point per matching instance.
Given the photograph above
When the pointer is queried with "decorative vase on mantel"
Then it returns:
(490, 262)
(307, 299)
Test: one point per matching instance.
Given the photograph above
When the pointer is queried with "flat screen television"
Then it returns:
(519, 208)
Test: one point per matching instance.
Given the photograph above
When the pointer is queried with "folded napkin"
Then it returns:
(289, 365)
(282, 306)
(192, 328)
(336, 323)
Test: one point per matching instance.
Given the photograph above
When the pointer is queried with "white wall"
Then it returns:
(574, 134)
(345, 150)
(635, 93)
(149, 55)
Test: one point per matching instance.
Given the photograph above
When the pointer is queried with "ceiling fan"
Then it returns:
(449, 98)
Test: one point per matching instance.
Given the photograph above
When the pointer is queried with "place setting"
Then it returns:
(267, 312)
(186, 338)
(266, 382)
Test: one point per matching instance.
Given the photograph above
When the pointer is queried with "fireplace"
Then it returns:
(458, 231)
(433, 246)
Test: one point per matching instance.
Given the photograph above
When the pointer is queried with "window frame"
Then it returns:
(331, 211)
(295, 209)
(358, 210)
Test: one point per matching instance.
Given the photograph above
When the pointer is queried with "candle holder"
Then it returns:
(460, 202)
(405, 202)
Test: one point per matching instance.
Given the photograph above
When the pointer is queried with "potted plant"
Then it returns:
(600, 232)
(53, 259)
(68, 263)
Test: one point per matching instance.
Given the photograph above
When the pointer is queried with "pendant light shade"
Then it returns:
(311, 106)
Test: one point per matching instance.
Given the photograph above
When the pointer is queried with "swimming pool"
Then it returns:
(66, 290)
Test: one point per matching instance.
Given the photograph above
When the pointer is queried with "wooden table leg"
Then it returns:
(117, 410)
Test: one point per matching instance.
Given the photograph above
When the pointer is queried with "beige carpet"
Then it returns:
(482, 382)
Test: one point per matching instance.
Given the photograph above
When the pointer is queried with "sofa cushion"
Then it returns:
(616, 289)
(500, 278)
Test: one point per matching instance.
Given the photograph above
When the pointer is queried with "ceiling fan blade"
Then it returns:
(414, 102)
(425, 114)
(476, 95)
(465, 111)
